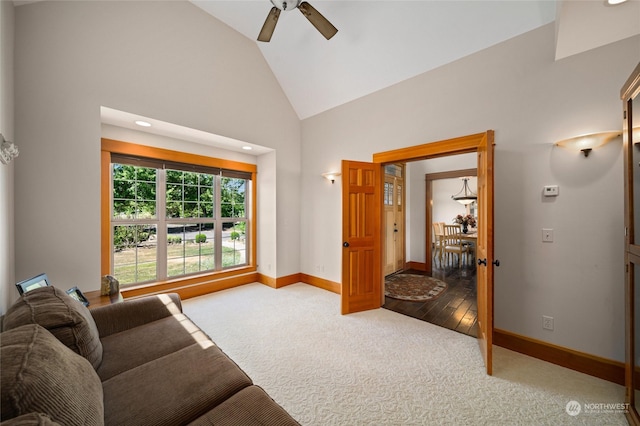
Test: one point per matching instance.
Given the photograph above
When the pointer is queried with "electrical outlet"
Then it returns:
(547, 322)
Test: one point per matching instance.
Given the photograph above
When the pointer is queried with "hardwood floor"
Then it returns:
(455, 309)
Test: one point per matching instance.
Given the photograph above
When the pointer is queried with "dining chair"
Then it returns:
(438, 239)
(453, 243)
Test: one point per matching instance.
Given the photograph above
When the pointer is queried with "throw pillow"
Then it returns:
(66, 318)
(39, 374)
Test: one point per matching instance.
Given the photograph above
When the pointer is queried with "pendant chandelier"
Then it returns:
(465, 196)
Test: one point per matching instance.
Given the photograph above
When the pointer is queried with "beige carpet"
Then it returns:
(383, 368)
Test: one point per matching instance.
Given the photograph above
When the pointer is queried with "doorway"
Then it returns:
(456, 307)
(362, 286)
(430, 178)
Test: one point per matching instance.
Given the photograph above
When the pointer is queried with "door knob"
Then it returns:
(345, 244)
(482, 262)
(496, 262)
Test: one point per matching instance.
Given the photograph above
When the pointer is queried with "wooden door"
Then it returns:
(361, 236)
(630, 95)
(484, 274)
(393, 219)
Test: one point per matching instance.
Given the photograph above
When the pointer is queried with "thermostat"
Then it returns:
(551, 191)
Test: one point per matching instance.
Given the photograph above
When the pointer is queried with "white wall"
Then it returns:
(164, 60)
(444, 207)
(530, 101)
(7, 270)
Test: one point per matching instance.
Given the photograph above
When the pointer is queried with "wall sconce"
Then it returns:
(586, 143)
(331, 176)
(466, 195)
(8, 150)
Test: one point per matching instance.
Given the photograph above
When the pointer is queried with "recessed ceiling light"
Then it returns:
(247, 148)
(143, 123)
(614, 2)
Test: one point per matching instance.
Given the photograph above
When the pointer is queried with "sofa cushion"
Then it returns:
(249, 407)
(40, 374)
(66, 318)
(174, 389)
(131, 348)
(31, 419)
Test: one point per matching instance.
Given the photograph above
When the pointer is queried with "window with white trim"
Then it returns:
(170, 220)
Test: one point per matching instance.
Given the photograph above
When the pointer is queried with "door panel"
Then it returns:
(399, 223)
(484, 274)
(361, 221)
(389, 220)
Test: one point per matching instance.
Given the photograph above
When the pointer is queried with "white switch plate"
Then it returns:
(547, 235)
(547, 322)
(551, 191)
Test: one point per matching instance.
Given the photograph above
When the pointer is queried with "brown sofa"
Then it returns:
(139, 362)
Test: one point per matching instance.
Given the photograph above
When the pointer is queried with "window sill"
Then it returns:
(195, 285)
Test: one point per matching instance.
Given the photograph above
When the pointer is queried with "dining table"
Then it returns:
(471, 237)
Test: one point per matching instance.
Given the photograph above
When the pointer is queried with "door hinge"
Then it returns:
(624, 114)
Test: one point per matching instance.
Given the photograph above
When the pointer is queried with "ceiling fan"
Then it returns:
(317, 20)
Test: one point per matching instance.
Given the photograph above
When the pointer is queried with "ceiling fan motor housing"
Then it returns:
(286, 5)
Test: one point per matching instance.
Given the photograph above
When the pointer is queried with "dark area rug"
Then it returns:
(413, 287)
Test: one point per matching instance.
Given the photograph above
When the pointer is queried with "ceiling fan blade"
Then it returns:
(269, 25)
(317, 20)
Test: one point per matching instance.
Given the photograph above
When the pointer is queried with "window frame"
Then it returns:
(110, 146)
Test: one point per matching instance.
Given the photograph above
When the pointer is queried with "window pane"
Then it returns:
(190, 248)
(174, 192)
(190, 178)
(232, 203)
(191, 193)
(174, 176)
(190, 210)
(146, 209)
(174, 209)
(145, 174)
(135, 249)
(206, 180)
(146, 191)
(123, 189)
(206, 201)
(124, 209)
(234, 250)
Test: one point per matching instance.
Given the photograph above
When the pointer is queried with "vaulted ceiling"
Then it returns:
(380, 43)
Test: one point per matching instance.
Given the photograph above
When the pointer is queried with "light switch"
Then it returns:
(547, 235)
(551, 191)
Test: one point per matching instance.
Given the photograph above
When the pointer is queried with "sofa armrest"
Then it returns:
(132, 313)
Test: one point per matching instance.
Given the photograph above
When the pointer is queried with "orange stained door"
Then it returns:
(485, 255)
(361, 236)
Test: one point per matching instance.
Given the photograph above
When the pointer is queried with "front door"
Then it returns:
(484, 274)
(393, 223)
(361, 236)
